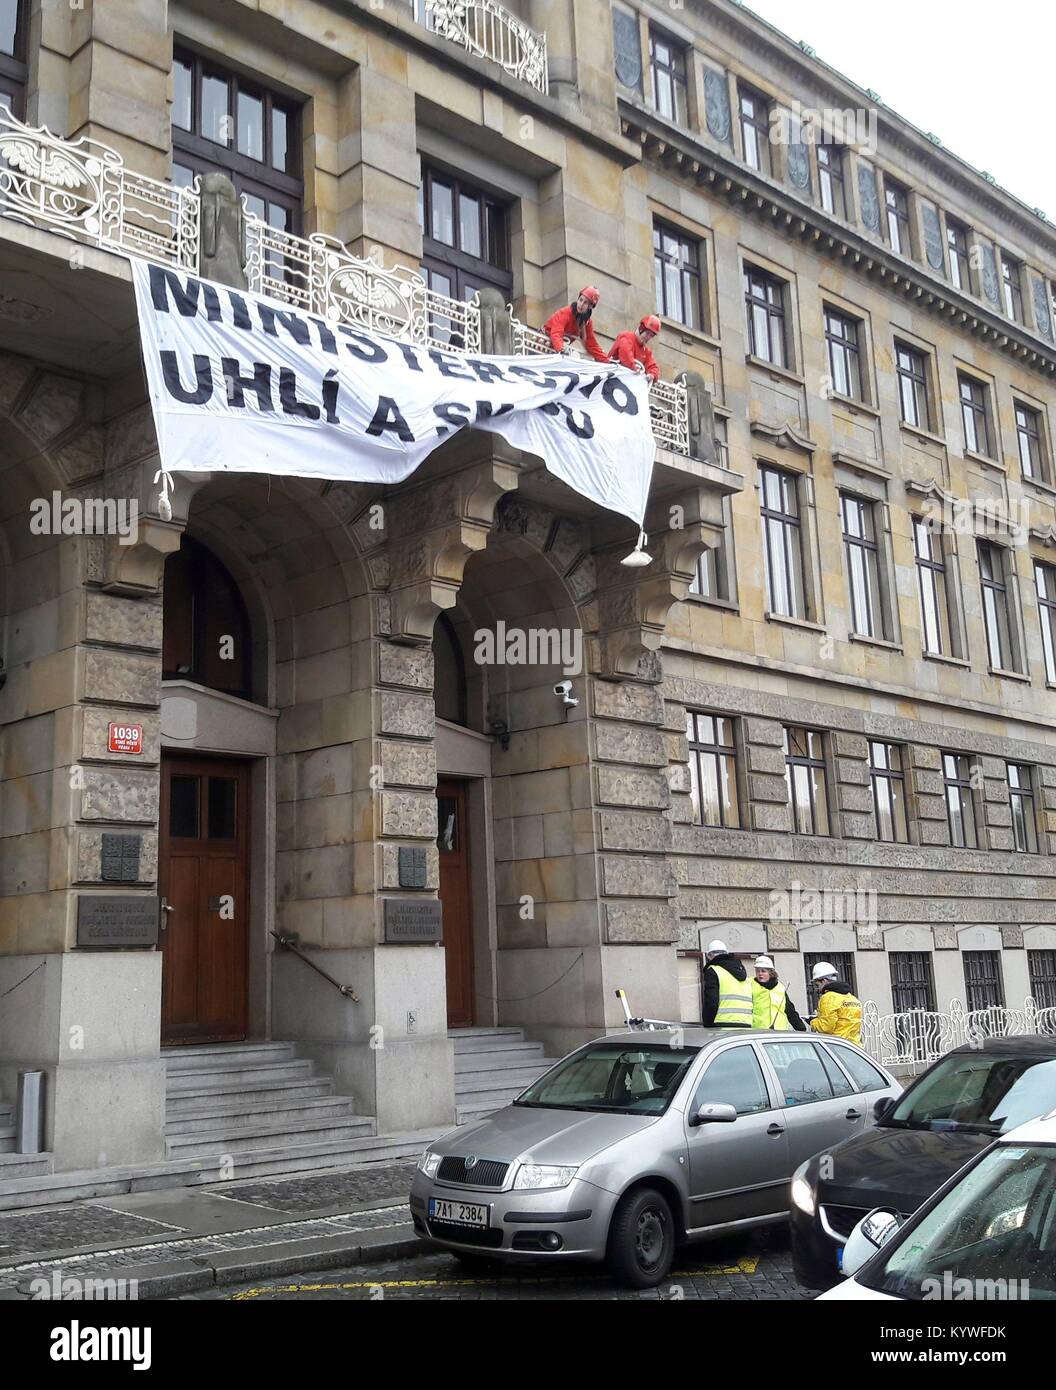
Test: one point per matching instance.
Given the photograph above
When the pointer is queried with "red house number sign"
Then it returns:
(125, 738)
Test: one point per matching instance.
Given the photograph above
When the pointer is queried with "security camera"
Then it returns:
(564, 689)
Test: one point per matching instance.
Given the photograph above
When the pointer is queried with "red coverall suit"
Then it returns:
(564, 324)
(627, 350)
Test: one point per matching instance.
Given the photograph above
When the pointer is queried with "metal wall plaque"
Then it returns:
(413, 866)
(116, 923)
(120, 858)
(413, 922)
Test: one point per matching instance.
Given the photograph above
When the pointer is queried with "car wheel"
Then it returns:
(816, 1274)
(642, 1239)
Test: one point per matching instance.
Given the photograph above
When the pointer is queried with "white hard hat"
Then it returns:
(764, 963)
(824, 971)
(717, 948)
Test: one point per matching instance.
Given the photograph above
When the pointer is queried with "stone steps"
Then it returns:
(16, 1166)
(190, 1100)
(8, 1128)
(179, 1059)
(492, 1067)
(233, 1077)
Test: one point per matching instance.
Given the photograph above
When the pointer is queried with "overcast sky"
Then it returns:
(977, 75)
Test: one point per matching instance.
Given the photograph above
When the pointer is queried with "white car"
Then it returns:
(988, 1233)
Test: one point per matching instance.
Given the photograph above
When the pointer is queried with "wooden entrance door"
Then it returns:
(203, 879)
(456, 896)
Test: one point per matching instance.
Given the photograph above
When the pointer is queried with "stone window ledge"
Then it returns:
(915, 430)
(727, 605)
(947, 660)
(854, 404)
(784, 372)
(875, 641)
(985, 460)
(692, 335)
(1009, 675)
(1040, 483)
(790, 621)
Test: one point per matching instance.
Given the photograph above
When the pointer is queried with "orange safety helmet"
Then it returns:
(651, 322)
(591, 293)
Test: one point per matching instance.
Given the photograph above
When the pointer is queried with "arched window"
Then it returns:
(206, 628)
(449, 673)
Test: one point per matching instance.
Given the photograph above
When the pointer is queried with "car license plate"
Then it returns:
(469, 1214)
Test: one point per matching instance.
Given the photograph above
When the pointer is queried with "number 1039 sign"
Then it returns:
(125, 738)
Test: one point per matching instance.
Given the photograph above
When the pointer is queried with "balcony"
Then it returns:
(82, 191)
(489, 31)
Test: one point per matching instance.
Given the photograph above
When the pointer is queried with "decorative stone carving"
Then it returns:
(1042, 309)
(798, 160)
(627, 45)
(991, 285)
(717, 105)
(701, 417)
(932, 235)
(868, 201)
(223, 255)
(496, 323)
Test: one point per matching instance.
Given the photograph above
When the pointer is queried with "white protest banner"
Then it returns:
(240, 383)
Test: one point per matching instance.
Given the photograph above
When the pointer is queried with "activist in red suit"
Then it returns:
(573, 321)
(632, 349)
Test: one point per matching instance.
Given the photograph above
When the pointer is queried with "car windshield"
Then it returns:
(636, 1078)
(993, 1236)
(978, 1093)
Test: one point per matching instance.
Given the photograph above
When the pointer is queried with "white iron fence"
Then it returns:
(920, 1036)
(81, 189)
(490, 31)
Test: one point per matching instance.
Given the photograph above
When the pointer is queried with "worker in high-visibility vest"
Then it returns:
(771, 1006)
(727, 990)
(839, 1010)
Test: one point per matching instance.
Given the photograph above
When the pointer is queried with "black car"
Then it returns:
(950, 1113)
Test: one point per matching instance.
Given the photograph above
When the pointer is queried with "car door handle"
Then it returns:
(775, 1129)
(853, 1115)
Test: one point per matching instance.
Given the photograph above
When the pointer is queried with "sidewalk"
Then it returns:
(184, 1239)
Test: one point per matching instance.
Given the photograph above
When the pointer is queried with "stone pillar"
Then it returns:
(996, 828)
(376, 167)
(928, 792)
(854, 793)
(1047, 819)
(767, 787)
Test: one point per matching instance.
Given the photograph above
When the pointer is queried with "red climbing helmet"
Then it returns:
(591, 293)
(651, 322)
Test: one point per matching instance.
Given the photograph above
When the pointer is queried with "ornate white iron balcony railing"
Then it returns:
(668, 404)
(918, 1037)
(490, 31)
(320, 275)
(81, 189)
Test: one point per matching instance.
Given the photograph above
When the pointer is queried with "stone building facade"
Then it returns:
(873, 320)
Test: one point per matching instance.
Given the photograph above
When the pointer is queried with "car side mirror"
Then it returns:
(714, 1114)
(870, 1234)
(882, 1106)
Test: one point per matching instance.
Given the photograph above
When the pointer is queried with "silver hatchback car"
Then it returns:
(641, 1141)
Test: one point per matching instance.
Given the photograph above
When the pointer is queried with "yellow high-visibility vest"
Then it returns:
(735, 1000)
(768, 1007)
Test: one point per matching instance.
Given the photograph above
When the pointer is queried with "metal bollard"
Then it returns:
(30, 1113)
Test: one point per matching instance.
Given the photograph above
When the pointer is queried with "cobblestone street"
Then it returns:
(751, 1268)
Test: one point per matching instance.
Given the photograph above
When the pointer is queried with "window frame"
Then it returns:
(846, 347)
(1035, 466)
(1046, 615)
(790, 527)
(448, 260)
(1012, 287)
(767, 294)
(995, 582)
(974, 398)
(918, 986)
(918, 385)
(897, 223)
(1041, 974)
(831, 179)
(960, 786)
(690, 274)
(814, 764)
(14, 66)
(842, 960)
(722, 755)
(865, 549)
(193, 150)
(958, 255)
(678, 83)
(941, 578)
(758, 125)
(895, 779)
(981, 980)
(1025, 795)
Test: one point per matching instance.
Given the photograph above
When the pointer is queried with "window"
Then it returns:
(713, 769)
(997, 615)
(449, 678)
(676, 266)
(14, 21)
(912, 371)
(861, 551)
(711, 579)
(1041, 966)
(465, 239)
(889, 792)
(936, 634)
(801, 1076)
(960, 804)
(805, 778)
(866, 1077)
(223, 121)
(765, 301)
(841, 336)
(1030, 440)
(782, 542)
(1021, 801)
(974, 414)
(896, 201)
(734, 1078)
(912, 987)
(982, 980)
(1045, 581)
(755, 129)
(830, 180)
(842, 960)
(206, 629)
(957, 249)
(1012, 287)
(667, 60)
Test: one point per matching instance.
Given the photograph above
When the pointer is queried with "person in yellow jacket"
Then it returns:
(839, 1010)
(771, 1006)
(727, 1001)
